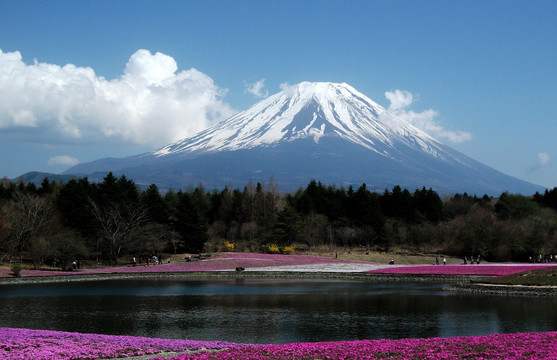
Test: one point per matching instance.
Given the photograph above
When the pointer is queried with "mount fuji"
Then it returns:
(326, 132)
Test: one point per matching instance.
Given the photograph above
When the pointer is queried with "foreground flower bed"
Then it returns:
(488, 270)
(29, 344)
(46, 345)
(506, 346)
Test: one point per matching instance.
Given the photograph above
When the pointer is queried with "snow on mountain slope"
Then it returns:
(310, 110)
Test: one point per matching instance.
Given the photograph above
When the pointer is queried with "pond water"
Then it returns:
(269, 311)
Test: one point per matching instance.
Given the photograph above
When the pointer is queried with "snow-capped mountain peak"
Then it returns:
(311, 131)
(308, 110)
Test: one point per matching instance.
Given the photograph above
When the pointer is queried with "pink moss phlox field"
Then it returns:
(5, 272)
(506, 346)
(492, 269)
(218, 262)
(46, 345)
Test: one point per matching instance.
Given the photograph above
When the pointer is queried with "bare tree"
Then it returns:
(38, 249)
(28, 216)
(248, 199)
(249, 231)
(67, 246)
(154, 238)
(117, 225)
(315, 229)
(3, 238)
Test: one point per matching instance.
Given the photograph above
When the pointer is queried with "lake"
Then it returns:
(269, 311)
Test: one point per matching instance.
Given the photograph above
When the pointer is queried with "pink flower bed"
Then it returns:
(506, 346)
(218, 262)
(495, 269)
(229, 261)
(23, 344)
(29, 344)
(509, 346)
(5, 272)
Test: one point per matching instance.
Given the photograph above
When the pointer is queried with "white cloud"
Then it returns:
(425, 120)
(543, 159)
(288, 89)
(399, 99)
(257, 89)
(151, 103)
(63, 160)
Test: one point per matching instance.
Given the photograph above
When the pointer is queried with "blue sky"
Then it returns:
(80, 80)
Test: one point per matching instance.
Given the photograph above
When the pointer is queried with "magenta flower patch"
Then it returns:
(28, 344)
(218, 262)
(46, 345)
(506, 346)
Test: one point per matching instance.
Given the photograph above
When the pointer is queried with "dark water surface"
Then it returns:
(269, 311)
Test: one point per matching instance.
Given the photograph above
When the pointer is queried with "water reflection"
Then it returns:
(262, 311)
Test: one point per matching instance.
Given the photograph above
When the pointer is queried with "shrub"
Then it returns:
(16, 269)
(287, 250)
(273, 249)
(228, 246)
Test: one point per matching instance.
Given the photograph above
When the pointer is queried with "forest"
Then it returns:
(110, 222)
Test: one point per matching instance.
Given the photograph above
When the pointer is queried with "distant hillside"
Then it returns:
(36, 177)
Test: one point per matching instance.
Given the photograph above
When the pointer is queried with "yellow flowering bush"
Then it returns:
(273, 249)
(228, 246)
(287, 250)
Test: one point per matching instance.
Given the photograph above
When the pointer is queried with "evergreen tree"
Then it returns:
(191, 225)
(398, 204)
(515, 207)
(428, 205)
(155, 206)
(548, 199)
(289, 227)
(365, 209)
(46, 187)
(73, 205)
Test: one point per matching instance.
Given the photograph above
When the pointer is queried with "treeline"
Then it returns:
(58, 223)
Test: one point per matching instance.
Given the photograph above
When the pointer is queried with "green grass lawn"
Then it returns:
(538, 277)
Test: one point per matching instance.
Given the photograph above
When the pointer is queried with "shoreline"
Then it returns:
(505, 290)
(231, 274)
(457, 283)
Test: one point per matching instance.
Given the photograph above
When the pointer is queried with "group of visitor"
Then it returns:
(155, 260)
(543, 259)
(437, 260)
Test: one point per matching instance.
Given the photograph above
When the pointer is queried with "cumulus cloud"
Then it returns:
(151, 103)
(425, 120)
(288, 89)
(543, 159)
(63, 160)
(257, 89)
(399, 99)
(540, 164)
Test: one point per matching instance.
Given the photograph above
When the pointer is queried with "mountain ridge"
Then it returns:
(312, 131)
